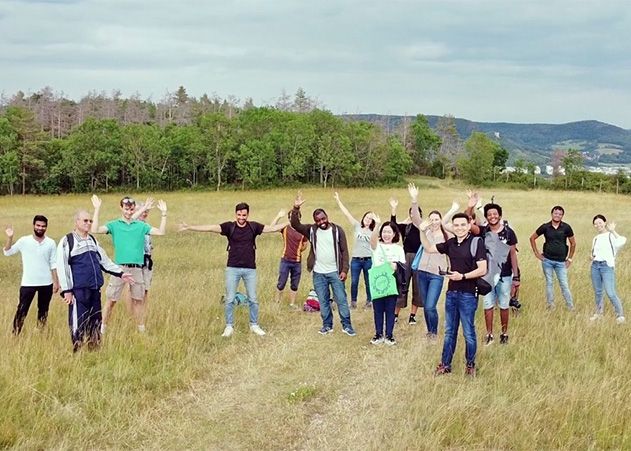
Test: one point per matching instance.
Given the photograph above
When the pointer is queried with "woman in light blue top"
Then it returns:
(362, 253)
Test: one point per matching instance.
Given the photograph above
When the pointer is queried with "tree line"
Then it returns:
(51, 144)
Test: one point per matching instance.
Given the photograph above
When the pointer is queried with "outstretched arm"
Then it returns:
(415, 215)
(347, 213)
(9, 242)
(374, 236)
(214, 228)
(96, 203)
(162, 206)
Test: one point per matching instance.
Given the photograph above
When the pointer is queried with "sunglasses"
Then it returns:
(128, 201)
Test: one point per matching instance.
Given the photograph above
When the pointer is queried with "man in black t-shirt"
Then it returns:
(557, 256)
(241, 235)
(461, 301)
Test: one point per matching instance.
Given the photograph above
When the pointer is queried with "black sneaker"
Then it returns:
(412, 320)
(504, 339)
(396, 319)
(377, 340)
(390, 341)
(489, 340)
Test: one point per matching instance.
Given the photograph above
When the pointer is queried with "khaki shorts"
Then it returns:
(147, 276)
(115, 287)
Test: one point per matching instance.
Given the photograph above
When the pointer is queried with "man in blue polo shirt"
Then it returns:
(128, 237)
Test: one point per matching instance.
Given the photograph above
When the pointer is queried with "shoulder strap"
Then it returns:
(233, 227)
(70, 239)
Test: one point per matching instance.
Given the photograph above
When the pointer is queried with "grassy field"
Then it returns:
(561, 383)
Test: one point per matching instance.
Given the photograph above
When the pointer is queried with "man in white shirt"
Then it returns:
(39, 271)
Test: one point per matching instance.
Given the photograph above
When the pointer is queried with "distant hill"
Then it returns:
(601, 143)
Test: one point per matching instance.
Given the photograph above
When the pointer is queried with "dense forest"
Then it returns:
(103, 142)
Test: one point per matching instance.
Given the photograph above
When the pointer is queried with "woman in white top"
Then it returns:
(361, 255)
(605, 246)
(385, 249)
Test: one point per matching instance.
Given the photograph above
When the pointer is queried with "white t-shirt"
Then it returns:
(38, 260)
(605, 246)
(325, 252)
(392, 252)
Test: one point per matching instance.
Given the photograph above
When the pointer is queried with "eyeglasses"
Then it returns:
(87, 221)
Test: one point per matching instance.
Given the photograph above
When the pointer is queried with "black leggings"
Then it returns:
(44, 294)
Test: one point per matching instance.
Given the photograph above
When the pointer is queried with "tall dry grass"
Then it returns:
(561, 383)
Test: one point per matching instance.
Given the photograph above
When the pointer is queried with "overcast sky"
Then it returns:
(551, 61)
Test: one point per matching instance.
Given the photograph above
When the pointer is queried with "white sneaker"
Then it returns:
(141, 328)
(227, 332)
(257, 329)
(103, 326)
(620, 319)
(596, 317)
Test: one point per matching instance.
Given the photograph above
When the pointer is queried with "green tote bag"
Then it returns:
(381, 280)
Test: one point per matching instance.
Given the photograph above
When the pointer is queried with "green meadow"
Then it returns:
(561, 383)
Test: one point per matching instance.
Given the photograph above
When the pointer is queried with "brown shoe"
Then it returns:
(442, 369)
(470, 371)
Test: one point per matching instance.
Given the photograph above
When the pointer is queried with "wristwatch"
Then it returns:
(464, 276)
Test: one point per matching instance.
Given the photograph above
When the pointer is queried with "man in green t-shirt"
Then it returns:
(128, 237)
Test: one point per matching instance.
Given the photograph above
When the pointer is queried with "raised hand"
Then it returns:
(96, 201)
(9, 231)
(376, 218)
(298, 201)
(149, 203)
(162, 205)
(393, 203)
(455, 206)
(336, 196)
(611, 226)
(413, 191)
(473, 198)
(424, 225)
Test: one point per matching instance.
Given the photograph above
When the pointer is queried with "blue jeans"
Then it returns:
(321, 284)
(603, 276)
(430, 286)
(357, 266)
(384, 307)
(550, 267)
(233, 275)
(460, 307)
(286, 269)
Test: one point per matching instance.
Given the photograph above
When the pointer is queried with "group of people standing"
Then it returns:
(459, 246)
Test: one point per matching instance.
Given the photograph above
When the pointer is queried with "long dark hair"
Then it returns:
(372, 221)
(442, 229)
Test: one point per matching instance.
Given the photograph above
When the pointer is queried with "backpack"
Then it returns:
(233, 227)
(312, 304)
(496, 254)
(70, 239)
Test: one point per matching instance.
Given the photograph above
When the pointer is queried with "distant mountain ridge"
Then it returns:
(600, 142)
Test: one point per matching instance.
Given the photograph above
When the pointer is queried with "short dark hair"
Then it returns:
(127, 200)
(395, 229)
(317, 211)
(460, 215)
(242, 206)
(40, 218)
(599, 217)
(557, 207)
(492, 206)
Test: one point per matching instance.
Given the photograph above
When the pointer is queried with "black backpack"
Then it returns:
(70, 239)
(233, 227)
